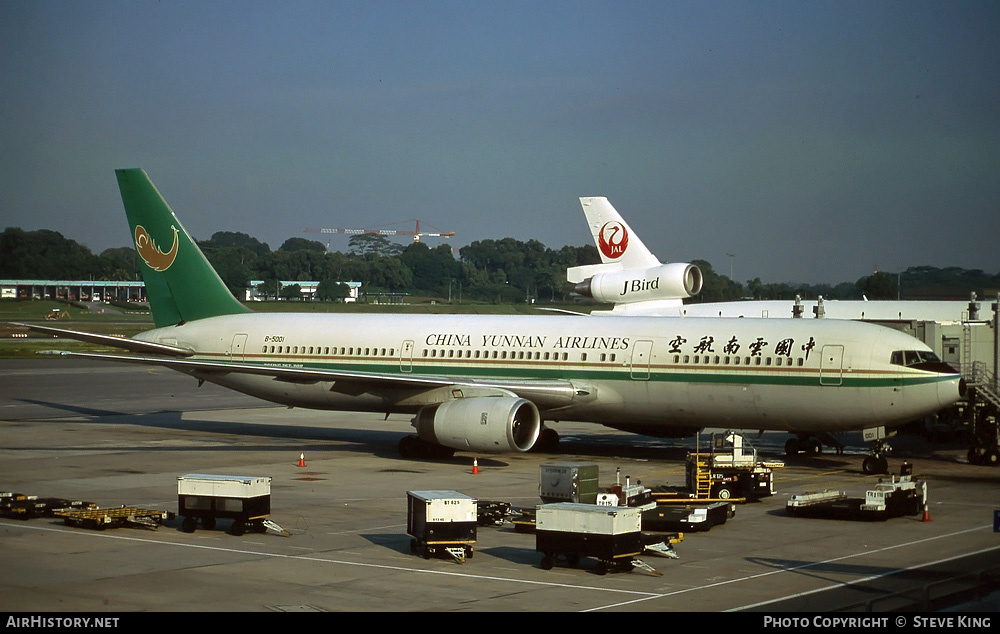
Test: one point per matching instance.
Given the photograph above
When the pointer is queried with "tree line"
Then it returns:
(497, 271)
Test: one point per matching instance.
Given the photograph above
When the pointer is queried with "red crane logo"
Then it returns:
(612, 244)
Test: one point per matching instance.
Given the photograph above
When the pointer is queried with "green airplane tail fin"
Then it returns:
(181, 285)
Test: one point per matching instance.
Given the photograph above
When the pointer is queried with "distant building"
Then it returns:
(74, 290)
(253, 294)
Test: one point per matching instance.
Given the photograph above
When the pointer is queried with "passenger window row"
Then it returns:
(787, 362)
(516, 355)
(330, 351)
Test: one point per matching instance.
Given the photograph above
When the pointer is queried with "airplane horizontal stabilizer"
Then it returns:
(132, 345)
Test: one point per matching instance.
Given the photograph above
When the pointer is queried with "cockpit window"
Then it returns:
(913, 357)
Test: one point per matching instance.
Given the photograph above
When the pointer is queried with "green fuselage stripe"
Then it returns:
(788, 376)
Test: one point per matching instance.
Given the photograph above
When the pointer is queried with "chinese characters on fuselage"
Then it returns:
(757, 347)
(679, 344)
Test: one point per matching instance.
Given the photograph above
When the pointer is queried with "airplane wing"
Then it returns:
(563, 311)
(545, 393)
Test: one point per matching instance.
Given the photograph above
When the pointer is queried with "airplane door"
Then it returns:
(831, 366)
(406, 356)
(238, 347)
(641, 353)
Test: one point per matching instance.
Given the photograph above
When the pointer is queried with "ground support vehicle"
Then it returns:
(100, 519)
(667, 517)
(894, 498)
(492, 513)
(524, 521)
(610, 534)
(731, 470)
(26, 507)
(441, 523)
(206, 498)
(691, 518)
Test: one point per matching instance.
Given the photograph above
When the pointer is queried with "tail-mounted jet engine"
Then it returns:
(488, 424)
(667, 281)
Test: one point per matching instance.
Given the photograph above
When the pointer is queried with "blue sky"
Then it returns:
(815, 141)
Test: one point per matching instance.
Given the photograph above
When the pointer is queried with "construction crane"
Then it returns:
(387, 232)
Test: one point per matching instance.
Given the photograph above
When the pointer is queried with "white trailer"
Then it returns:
(611, 534)
(206, 498)
(441, 522)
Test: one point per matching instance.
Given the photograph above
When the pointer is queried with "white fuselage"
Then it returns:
(651, 375)
(878, 310)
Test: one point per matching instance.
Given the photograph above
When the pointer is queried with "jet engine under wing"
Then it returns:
(132, 345)
(545, 393)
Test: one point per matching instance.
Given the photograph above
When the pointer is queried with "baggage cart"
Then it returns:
(100, 519)
(687, 518)
(610, 534)
(206, 498)
(887, 500)
(489, 512)
(441, 522)
(24, 507)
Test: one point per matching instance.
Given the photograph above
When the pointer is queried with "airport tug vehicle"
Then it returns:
(205, 498)
(441, 522)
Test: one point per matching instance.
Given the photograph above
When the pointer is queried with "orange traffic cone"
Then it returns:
(927, 514)
(302, 460)
(475, 466)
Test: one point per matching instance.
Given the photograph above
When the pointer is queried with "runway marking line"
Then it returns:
(811, 565)
(332, 561)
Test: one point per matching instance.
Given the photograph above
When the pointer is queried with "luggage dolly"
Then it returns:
(274, 527)
(642, 565)
(662, 549)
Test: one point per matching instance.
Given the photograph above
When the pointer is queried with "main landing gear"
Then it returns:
(874, 464)
(812, 446)
(548, 441)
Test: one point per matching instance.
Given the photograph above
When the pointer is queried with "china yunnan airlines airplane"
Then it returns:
(486, 383)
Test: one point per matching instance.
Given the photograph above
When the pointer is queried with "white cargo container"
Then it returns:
(441, 522)
(206, 498)
(612, 534)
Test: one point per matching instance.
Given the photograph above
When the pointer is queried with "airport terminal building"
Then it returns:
(74, 290)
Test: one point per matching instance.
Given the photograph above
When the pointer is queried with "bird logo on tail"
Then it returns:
(150, 253)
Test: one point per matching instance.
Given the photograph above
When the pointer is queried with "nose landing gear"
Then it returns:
(875, 464)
